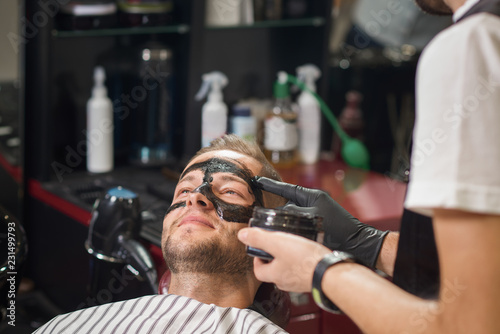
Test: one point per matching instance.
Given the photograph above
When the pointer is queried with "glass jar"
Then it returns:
(281, 137)
(152, 115)
(92, 14)
(299, 223)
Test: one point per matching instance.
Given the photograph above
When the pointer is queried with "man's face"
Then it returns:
(434, 7)
(213, 200)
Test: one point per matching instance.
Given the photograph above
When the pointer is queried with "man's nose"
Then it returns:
(198, 199)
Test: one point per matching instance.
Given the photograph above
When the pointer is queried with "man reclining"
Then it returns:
(212, 283)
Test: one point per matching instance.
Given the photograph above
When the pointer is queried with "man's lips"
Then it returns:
(196, 220)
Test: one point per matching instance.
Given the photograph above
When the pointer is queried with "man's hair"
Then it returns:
(234, 143)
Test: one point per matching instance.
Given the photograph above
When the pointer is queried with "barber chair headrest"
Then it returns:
(269, 301)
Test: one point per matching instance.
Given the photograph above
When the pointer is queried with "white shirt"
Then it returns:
(464, 9)
(160, 314)
(456, 143)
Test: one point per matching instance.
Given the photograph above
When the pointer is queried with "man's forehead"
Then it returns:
(218, 165)
(224, 161)
(224, 154)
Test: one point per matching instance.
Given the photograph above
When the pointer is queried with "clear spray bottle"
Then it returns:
(309, 119)
(214, 111)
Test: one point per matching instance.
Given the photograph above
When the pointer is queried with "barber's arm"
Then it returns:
(469, 298)
(372, 247)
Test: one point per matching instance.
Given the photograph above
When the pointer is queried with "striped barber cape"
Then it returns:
(160, 314)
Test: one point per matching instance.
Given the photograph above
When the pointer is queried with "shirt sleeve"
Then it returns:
(456, 141)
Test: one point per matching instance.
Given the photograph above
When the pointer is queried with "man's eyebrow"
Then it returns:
(187, 178)
(230, 177)
(226, 177)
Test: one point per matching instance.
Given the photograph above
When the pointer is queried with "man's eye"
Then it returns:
(230, 192)
(184, 191)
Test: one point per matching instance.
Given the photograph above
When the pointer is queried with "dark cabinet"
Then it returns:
(59, 67)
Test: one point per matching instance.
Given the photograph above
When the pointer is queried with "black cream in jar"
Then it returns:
(299, 223)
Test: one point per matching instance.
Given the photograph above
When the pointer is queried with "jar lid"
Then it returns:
(266, 217)
(146, 7)
(93, 8)
(239, 110)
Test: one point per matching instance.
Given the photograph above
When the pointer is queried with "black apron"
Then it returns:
(417, 266)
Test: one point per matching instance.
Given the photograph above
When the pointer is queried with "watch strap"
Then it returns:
(328, 260)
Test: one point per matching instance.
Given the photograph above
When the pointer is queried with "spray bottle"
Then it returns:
(214, 111)
(309, 119)
(100, 153)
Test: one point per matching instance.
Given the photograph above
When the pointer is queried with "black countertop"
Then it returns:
(155, 193)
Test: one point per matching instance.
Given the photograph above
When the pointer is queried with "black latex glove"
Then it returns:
(342, 231)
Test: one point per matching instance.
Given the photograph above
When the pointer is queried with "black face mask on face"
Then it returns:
(232, 213)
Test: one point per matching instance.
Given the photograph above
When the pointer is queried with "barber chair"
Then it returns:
(12, 259)
(120, 266)
(269, 301)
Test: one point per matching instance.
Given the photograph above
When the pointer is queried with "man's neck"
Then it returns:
(214, 289)
(455, 4)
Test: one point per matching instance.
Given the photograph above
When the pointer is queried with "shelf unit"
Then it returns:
(303, 22)
(250, 55)
(179, 29)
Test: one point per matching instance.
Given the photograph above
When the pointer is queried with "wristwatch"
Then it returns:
(328, 260)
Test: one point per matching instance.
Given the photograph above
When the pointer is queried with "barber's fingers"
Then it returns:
(295, 208)
(280, 244)
(294, 260)
(286, 279)
(262, 239)
(276, 187)
(297, 194)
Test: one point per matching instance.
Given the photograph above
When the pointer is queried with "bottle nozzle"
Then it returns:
(308, 74)
(280, 88)
(282, 77)
(99, 78)
(215, 80)
(99, 75)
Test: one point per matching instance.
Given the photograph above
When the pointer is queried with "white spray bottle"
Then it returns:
(309, 119)
(100, 154)
(214, 111)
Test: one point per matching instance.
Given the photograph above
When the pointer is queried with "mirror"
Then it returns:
(374, 49)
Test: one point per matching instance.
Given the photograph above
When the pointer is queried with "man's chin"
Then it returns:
(434, 7)
(185, 239)
(205, 255)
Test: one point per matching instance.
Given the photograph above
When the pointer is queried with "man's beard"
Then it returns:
(208, 257)
(434, 7)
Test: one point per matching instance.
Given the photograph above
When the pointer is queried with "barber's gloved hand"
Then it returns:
(342, 231)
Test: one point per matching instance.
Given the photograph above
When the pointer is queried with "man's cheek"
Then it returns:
(170, 219)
